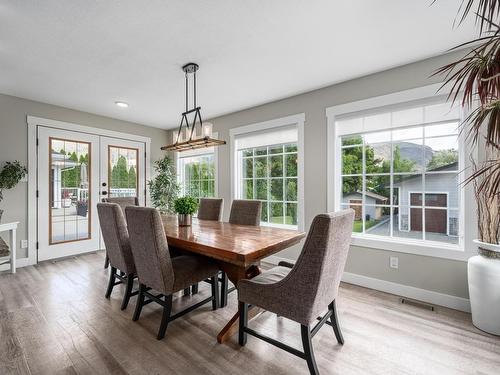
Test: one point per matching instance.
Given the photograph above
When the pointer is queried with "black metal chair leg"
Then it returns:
(111, 282)
(215, 291)
(335, 323)
(194, 288)
(243, 310)
(139, 303)
(167, 309)
(224, 290)
(308, 350)
(187, 292)
(106, 261)
(128, 291)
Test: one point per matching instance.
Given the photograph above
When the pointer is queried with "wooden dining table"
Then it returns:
(237, 248)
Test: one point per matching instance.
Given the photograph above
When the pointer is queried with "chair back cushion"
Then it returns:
(150, 249)
(123, 201)
(315, 279)
(116, 238)
(210, 209)
(245, 212)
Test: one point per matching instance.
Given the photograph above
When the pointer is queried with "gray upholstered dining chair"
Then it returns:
(115, 235)
(209, 209)
(303, 292)
(157, 271)
(122, 202)
(243, 212)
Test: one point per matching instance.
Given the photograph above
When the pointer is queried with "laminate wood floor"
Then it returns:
(54, 319)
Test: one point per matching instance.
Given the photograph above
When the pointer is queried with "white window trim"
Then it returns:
(294, 120)
(424, 95)
(197, 152)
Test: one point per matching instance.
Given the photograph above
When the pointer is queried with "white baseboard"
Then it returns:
(428, 296)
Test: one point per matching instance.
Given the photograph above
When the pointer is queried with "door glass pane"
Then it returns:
(69, 172)
(122, 171)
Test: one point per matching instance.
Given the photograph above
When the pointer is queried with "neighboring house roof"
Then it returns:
(448, 167)
(369, 194)
(62, 160)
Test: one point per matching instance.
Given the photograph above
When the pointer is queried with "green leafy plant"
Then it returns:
(475, 84)
(185, 205)
(164, 187)
(475, 78)
(11, 174)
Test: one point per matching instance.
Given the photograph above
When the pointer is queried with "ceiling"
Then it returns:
(88, 54)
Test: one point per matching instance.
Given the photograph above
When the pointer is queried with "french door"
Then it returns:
(122, 169)
(76, 171)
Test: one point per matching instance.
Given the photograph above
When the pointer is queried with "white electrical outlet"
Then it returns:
(394, 262)
(24, 244)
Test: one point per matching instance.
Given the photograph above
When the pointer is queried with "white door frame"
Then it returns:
(33, 124)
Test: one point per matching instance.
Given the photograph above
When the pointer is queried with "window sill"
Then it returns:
(281, 226)
(408, 246)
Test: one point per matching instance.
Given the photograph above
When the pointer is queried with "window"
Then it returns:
(267, 167)
(196, 173)
(269, 174)
(399, 172)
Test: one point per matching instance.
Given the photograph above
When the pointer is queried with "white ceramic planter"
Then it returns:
(484, 290)
(488, 246)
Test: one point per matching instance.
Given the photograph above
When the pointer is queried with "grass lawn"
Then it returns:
(358, 225)
(279, 220)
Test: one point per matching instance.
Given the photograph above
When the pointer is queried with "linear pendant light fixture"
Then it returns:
(186, 137)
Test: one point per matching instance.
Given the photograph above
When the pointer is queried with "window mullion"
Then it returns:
(423, 184)
(254, 181)
(268, 185)
(391, 187)
(283, 192)
(363, 187)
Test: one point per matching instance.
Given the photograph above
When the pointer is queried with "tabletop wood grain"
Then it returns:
(241, 245)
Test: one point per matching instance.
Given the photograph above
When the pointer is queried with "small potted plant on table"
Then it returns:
(185, 207)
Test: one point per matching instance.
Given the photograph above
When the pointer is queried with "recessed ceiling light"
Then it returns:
(122, 104)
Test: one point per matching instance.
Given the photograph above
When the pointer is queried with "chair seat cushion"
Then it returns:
(191, 269)
(263, 291)
(270, 276)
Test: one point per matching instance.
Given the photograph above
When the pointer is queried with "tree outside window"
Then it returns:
(269, 174)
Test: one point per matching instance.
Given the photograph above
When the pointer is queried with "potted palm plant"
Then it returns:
(11, 174)
(475, 83)
(185, 207)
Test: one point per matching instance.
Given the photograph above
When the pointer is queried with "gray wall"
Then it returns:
(440, 275)
(14, 145)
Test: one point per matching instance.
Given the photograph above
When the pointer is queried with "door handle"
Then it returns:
(104, 193)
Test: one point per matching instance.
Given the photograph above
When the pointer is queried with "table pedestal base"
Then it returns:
(235, 274)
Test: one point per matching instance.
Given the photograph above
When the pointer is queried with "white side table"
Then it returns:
(11, 228)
